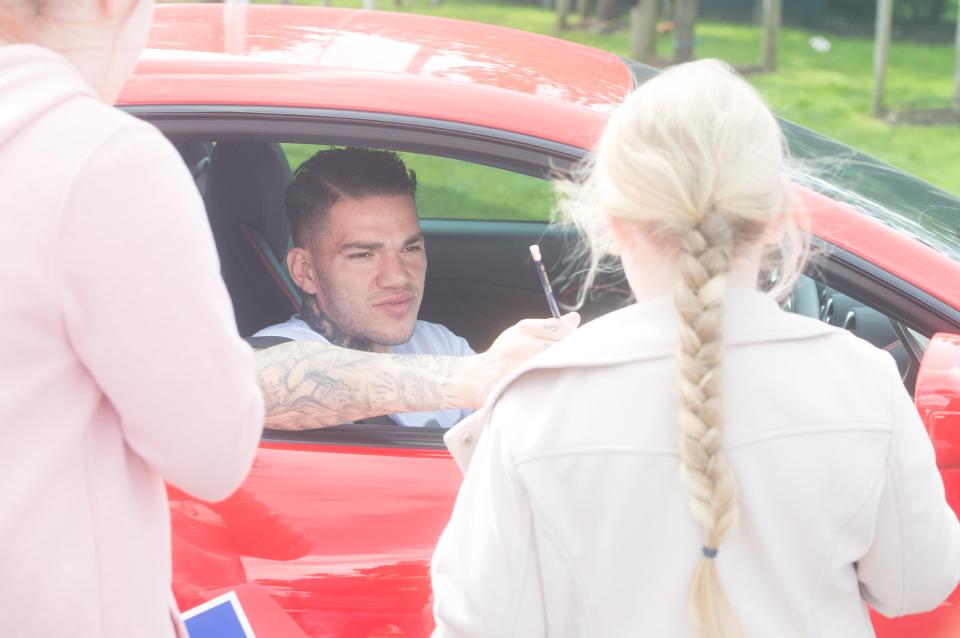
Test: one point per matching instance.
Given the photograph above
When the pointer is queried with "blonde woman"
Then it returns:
(700, 463)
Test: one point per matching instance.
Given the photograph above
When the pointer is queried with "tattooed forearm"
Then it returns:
(308, 384)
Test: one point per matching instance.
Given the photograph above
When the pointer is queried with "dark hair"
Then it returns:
(333, 174)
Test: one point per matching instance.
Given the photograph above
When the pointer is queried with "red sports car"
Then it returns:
(332, 533)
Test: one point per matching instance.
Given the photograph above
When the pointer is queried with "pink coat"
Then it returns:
(120, 364)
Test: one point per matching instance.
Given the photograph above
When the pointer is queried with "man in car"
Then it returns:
(360, 263)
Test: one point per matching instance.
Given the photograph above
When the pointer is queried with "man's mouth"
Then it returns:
(396, 305)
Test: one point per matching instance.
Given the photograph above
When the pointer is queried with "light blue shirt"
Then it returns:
(428, 338)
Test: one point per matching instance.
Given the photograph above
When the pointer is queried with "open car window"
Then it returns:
(478, 220)
(454, 189)
(820, 301)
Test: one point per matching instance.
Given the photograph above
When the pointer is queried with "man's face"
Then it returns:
(368, 264)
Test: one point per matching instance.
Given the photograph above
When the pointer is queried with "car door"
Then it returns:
(334, 528)
(332, 532)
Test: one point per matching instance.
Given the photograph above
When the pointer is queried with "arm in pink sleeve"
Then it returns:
(148, 314)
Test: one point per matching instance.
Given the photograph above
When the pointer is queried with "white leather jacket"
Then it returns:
(572, 520)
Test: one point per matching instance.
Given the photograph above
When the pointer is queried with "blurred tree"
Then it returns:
(563, 10)
(685, 17)
(842, 15)
(583, 9)
(956, 69)
(607, 12)
(930, 11)
(904, 11)
(643, 30)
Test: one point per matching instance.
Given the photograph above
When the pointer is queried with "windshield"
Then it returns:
(894, 197)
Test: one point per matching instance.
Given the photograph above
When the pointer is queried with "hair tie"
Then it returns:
(709, 552)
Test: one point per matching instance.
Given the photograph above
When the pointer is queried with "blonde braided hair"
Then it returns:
(693, 160)
(706, 252)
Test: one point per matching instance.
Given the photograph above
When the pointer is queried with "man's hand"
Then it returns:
(515, 345)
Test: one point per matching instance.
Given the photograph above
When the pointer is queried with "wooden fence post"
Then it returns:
(881, 44)
(643, 30)
(772, 16)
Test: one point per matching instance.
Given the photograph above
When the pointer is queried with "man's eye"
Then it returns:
(414, 249)
(358, 255)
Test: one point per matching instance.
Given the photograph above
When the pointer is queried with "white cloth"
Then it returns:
(428, 338)
(572, 520)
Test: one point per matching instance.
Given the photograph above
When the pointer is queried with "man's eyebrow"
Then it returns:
(363, 245)
(360, 245)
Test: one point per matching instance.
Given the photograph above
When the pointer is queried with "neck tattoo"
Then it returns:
(320, 323)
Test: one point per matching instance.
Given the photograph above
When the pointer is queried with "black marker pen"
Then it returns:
(542, 274)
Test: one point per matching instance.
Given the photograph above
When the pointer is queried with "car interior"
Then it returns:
(480, 277)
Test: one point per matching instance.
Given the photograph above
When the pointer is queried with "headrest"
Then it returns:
(194, 153)
(246, 185)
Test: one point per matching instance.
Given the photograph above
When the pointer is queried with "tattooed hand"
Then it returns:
(515, 345)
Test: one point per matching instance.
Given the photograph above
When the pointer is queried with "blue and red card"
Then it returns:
(220, 617)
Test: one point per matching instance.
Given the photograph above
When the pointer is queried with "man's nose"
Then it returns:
(393, 272)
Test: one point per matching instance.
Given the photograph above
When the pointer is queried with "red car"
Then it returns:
(332, 533)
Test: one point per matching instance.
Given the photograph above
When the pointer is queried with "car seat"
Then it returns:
(245, 202)
(196, 155)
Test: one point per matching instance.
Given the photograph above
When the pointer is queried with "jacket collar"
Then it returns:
(647, 330)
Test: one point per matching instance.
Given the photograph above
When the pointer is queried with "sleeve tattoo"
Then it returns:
(313, 385)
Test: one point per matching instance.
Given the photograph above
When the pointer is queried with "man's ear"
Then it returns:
(301, 270)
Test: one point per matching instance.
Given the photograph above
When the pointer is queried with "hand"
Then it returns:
(515, 345)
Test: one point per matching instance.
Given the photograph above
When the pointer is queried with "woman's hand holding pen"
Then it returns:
(515, 345)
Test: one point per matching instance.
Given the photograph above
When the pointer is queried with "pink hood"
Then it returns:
(33, 80)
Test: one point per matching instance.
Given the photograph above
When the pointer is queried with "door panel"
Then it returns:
(339, 537)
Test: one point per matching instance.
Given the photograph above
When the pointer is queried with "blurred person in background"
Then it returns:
(700, 463)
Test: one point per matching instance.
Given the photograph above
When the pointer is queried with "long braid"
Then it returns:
(693, 159)
(705, 256)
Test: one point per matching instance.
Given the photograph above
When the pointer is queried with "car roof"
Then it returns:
(383, 62)
(378, 61)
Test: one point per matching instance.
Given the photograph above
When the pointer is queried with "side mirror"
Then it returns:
(937, 397)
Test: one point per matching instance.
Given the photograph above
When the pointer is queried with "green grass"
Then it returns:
(828, 92)
(451, 189)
